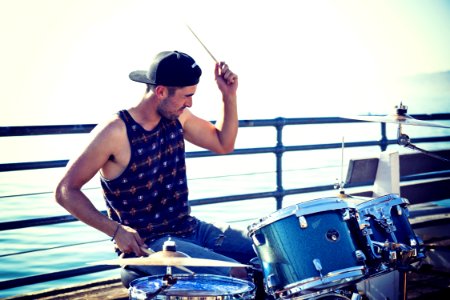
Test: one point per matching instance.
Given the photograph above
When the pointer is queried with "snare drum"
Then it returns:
(191, 287)
(391, 238)
(307, 247)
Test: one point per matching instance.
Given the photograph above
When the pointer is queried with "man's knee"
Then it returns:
(128, 275)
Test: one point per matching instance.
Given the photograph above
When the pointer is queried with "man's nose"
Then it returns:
(188, 102)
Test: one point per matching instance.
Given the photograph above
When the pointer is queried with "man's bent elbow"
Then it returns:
(59, 194)
(225, 149)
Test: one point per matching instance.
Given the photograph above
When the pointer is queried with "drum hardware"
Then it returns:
(360, 256)
(338, 295)
(319, 286)
(167, 281)
(257, 276)
(346, 214)
(340, 183)
(185, 286)
(258, 239)
(394, 243)
(303, 222)
(392, 256)
(272, 281)
(351, 294)
(366, 231)
(401, 117)
(318, 267)
(399, 210)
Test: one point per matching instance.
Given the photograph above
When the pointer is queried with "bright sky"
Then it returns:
(68, 61)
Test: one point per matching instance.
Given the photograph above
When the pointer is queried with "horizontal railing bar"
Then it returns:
(22, 166)
(69, 218)
(231, 198)
(426, 175)
(52, 248)
(45, 129)
(17, 282)
(37, 222)
(86, 128)
(7, 167)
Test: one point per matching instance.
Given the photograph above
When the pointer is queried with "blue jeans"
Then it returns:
(211, 241)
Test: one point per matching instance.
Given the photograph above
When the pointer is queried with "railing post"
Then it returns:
(384, 140)
(280, 122)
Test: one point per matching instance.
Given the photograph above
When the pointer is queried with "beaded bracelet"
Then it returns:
(115, 232)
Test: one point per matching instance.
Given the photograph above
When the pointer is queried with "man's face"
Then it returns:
(173, 106)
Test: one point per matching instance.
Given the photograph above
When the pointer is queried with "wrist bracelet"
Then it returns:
(115, 232)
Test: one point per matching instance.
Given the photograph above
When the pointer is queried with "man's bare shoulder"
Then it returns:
(111, 127)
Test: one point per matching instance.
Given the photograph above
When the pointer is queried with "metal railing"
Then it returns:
(278, 194)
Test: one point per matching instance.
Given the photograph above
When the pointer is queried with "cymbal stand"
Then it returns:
(404, 140)
(168, 280)
(340, 183)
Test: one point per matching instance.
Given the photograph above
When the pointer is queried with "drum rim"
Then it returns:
(301, 209)
(248, 287)
(393, 199)
(311, 284)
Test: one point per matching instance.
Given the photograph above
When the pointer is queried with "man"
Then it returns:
(140, 156)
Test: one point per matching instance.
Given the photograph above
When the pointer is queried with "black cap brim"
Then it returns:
(140, 76)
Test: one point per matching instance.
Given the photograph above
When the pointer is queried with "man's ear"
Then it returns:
(161, 91)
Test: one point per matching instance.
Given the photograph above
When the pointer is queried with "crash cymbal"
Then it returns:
(399, 117)
(169, 259)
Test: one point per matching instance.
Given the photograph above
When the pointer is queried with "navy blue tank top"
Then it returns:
(151, 195)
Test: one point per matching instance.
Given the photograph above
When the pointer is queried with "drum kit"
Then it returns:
(316, 249)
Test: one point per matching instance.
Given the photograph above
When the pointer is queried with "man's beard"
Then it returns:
(164, 111)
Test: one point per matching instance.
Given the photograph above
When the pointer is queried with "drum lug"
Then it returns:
(392, 256)
(360, 256)
(318, 266)
(364, 226)
(258, 239)
(272, 281)
(419, 240)
(399, 210)
(346, 215)
(302, 221)
(356, 296)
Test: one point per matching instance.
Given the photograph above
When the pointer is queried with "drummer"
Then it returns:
(140, 156)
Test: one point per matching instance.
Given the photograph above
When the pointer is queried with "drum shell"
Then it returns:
(287, 251)
(395, 208)
(391, 209)
(192, 287)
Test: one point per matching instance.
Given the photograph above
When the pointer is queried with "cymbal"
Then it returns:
(169, 259)
(401, 119)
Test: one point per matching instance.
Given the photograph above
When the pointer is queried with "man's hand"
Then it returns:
(227, 81)
(129, 241)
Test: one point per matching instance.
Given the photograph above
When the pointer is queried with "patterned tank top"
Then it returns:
(151, 194)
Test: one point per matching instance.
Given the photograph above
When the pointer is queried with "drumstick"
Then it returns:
(198, 39)
(150, 252)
